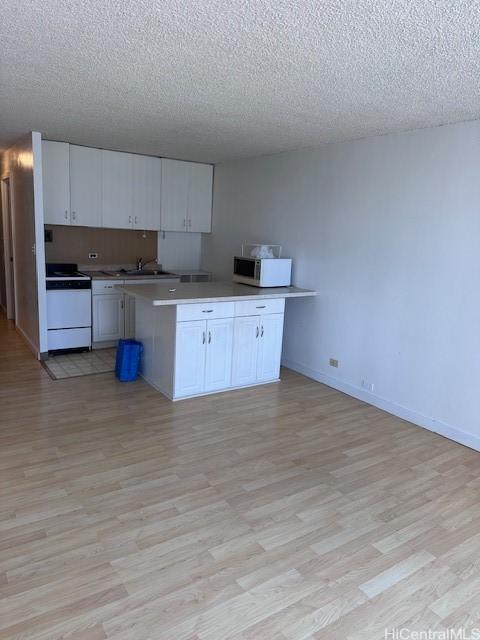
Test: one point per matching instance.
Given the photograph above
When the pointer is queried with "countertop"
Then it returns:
(100, 275)
(186, 293)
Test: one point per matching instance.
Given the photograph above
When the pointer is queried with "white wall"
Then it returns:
(387, 230)
(179, 250)
(22, 164)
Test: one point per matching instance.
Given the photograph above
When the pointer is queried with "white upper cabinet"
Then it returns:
(199, 215)
(186, 196)
(147, 179)
(85, 186)
(174, 195)
(117, 190)
(56, 182)
(91, 187)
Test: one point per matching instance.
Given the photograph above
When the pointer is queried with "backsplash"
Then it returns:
(113, 246)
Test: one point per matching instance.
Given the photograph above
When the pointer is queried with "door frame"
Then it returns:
(9, 247)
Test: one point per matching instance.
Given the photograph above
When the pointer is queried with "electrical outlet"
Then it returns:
(368, 386)
(93, 256)
(334, 363)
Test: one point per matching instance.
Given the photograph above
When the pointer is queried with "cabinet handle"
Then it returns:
(203, 339)
(129, 219)
(209, 337)
(261, 307)
(136, 219)
(74, 215)
(121, 304)
(207, 311)
(190, 223)
(261, 333)
(66, 214)
(184, 223)
(257, 332)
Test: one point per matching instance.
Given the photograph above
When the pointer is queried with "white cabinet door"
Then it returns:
(56, 182)
(85, 186)
(246, 335)
(147, 176)
(218, 363)
(117, 190)
(129, 316)
(108, 317)
(190, 358)
(199, 215)
(270, 347)
(174, 196)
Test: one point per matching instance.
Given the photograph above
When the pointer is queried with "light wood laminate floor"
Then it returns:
(284, 512)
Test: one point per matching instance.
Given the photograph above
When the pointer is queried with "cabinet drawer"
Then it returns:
(204, 311)
(105, 286)
(257, 307)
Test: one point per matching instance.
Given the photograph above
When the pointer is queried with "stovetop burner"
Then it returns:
(63, 270)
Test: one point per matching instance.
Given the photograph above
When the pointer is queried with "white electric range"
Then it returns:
(69, 307)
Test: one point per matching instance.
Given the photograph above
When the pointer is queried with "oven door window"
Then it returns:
(244, 268)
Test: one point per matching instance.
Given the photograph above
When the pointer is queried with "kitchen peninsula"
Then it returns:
(207, 337)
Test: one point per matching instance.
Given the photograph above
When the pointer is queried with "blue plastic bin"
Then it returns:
(127, 361)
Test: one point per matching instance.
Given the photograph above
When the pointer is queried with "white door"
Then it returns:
(147, 176)
(129, 316)
(85, 186)
(56, 182)
(190, 350)
(218, 363)
(199, 217)
(270, 346)
(246, 334)
(108, 317)
(175, 179)
(117, 190)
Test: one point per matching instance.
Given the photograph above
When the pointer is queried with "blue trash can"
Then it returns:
(127, 362)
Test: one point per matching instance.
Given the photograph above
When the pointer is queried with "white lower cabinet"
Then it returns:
(193, 349)
(245, 351)
(270, 347)
(222, 353)
(257, 349)
(108, 317)
(190, 358)
(218, 361)
(203, 358)
(113, 312)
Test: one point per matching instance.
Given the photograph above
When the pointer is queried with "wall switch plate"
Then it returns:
(334, 363)
(92, 256)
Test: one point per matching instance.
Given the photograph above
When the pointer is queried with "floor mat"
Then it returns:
(72, 365)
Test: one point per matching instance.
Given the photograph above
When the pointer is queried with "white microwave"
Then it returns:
(262, 272)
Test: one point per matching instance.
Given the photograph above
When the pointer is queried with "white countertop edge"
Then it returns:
(163, 303)
(157, 299)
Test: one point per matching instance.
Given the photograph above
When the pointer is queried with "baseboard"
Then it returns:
(33, 347)
(437, 426)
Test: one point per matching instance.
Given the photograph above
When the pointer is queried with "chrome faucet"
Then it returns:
(141, 264)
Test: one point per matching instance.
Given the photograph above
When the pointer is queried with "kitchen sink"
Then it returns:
(138, 272)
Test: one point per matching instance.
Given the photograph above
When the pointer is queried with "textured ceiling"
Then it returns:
(217, 79)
